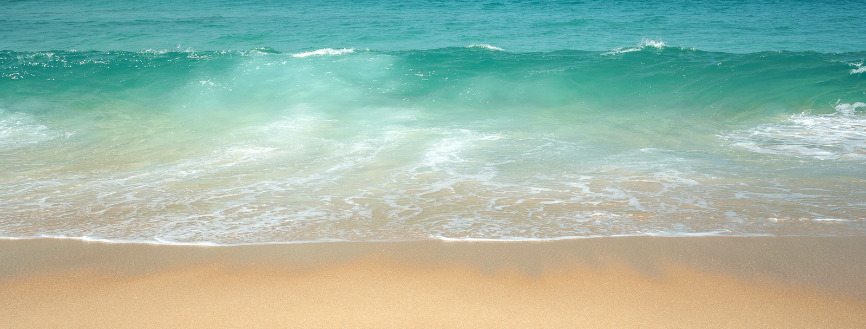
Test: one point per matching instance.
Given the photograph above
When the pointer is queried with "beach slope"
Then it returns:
(624, 282)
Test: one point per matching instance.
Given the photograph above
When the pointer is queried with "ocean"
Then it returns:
(254, 122)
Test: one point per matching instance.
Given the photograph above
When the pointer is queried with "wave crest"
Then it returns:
(836, 136)
(485, 46)
(325, 51)
(644, 44)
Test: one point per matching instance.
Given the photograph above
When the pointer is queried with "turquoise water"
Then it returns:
(522, 26)
(231, 123)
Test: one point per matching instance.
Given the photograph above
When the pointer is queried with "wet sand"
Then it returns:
(623, 282)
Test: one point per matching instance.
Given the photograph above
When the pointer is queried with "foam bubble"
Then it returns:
(658, 44)
(265, 50)
(241, 154)
(836, 136)
(667, 234)
(859, 68)
(178, 49)
(485, 46)
(325, 51)
(17, 129)
(308, 177)
(804, 220)
(151, 51)
(644, 44)
(849, 109)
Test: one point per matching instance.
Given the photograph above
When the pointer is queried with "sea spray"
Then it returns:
(214, 122)
(256, 147)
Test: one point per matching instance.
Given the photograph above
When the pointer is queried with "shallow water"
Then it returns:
(354, 127)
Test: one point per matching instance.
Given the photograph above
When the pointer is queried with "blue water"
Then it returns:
(233, 122)
(518, 26)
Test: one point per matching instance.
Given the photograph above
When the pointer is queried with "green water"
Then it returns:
(503, 120)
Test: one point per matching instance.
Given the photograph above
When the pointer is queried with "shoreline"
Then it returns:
(600, 282)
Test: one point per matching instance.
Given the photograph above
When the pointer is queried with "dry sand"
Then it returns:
(628, 282)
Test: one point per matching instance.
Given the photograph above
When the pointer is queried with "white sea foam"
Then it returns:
(325, 51)
(18, 129)
(832, 220)
(836, 136)
(168, 242)
(644, 44)
(178, 49)
(485, 46)
(305, 177)
(667, 234)
(658, 44)
(816, 220)
(849, 109)
(858, 68)
(151, 51)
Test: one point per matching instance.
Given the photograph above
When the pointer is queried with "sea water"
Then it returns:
(238, 122)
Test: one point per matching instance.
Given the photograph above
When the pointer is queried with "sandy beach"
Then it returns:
(432, 164)
(626, 282)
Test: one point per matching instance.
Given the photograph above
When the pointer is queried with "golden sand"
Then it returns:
(600, 283)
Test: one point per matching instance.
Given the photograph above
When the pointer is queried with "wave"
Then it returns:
(643, 45)
(229, 147)
(656, 83)
(840, 135)
(485, 46)
(20, 130)
(667, 76)
(649, 46)
(324, 51)
(164, 242)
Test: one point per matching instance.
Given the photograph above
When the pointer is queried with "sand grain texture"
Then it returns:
(422, 285)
